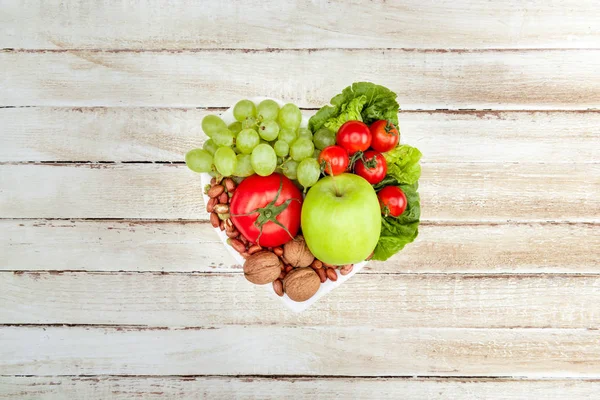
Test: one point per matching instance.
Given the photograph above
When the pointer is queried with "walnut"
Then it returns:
(297, 253)
(301, 284)
(262, 268)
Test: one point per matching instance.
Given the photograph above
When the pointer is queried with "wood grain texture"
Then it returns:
(449, 192)
(185, 24)
(360, 351)
(103, 387)
(369, 300)
(161, 134)
(174, 246)
(545, 79)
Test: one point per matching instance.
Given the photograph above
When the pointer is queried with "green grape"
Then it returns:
(243, 167)
(267, 110)
(323, 138)
(223, 137)
(225, 160)
(289, 169)
(211, 124)
(308, 172)
(249, 123)
(305, 133)
(244, 109)
(199, 160)
(263, 159)
(247, 140)
(316, 153)
(281, 148)
(268, 130)
(301, 148)
(287, 135)
(235, 127)
(289, 116)
(210, 146)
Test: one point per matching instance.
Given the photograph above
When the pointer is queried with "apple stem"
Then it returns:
(337, 191)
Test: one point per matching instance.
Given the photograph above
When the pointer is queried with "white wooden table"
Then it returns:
(113, 285)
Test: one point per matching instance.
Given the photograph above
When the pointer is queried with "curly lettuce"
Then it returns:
(362, 101)
(397, 232)
(403, 164)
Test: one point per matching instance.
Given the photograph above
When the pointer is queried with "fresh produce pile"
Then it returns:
(301, 204)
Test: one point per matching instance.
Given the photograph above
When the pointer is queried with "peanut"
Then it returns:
(316, 264)
(278, 287)
(229, 225)
(322, 274)
(346, 269)
(288, 268)
(215, 191)
(223, 198)
(254, 249)
(232, 234)
(222, 223)
(328, 265)
(237, 245)
(221, 208)
(278, 251)
(214, 220)
(245, 255)
(243, 239)
(213, 181)
(229, 184)
(331, 274)
(282, 275)
(210, 205)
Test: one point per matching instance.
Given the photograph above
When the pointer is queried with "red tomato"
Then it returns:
(373, 168)
(392, 201)
(259, 201)
(385, 135)
(335, 159)
(354, 136)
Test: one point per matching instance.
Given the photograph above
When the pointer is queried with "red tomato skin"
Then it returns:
(394, 199)
(375, 174)
(335, 158)
(256, 192)
(385, 136)
(354, 136)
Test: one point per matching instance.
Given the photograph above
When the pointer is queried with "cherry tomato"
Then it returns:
(392, 201)
(253, 214)
(354, 136)
(373, 168)
(335, 159)
(385, 135)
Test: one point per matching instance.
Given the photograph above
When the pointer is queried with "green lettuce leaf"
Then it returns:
(376, 102)
(398, 232)
(403, 164)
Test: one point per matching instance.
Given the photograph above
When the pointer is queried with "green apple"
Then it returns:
(341, 219)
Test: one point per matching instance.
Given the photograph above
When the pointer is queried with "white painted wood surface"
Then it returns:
(101, 388)
(449, 191)
(502, 283)
(512, 79)
(273, 350)
(165, 134)
(185, 24)
(209, 299)
(191, 246)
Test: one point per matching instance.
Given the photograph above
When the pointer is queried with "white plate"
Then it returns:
(326, 287)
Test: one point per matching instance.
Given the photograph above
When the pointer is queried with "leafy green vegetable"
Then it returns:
(364, 101)
(398, 232)
(403, 164)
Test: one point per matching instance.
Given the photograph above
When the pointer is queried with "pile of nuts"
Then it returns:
(292, 268)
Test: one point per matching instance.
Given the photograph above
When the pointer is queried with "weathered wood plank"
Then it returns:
(104, 387)
(454, 192)
(546, 79)
(263, 24)
(151, 134)
(373, 300)
(305, 351)
(177, 246)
